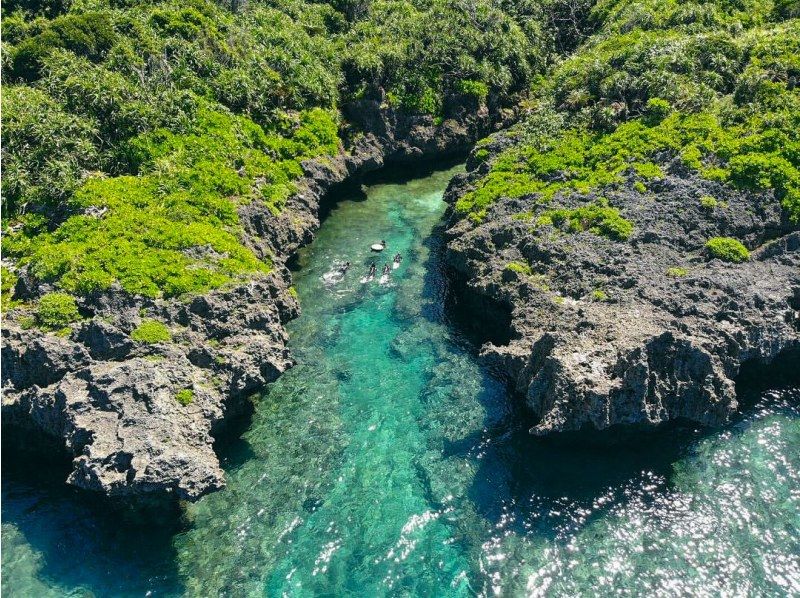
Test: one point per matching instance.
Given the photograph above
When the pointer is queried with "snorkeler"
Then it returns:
(372, 270)
(345, 268)
(398, 258)
(386, 269)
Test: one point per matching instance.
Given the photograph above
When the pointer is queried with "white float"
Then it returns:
(378, 247)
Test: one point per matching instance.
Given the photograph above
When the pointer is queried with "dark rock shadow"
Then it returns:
(87, 541)
(755, 378)
(231, 448)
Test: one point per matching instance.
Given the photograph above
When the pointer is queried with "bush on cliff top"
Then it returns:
(56, 310)
(713, 86)
(151, 332)
(185, 396)
(598, 219)
(727, 249)
(754, 154)
(7, 282)
(174, 228)
(132, 133)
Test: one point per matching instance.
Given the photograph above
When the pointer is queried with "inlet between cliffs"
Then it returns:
(389, 463)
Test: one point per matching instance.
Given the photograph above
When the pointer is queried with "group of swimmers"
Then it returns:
(373, 268)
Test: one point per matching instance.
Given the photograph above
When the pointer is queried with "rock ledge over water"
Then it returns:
(643, 331)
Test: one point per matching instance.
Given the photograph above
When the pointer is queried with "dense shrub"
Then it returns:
(88, 34)
(151, 332)
(47, 151)
(727, 249)
(599, 219)
(56, 310)
(712, 85)
(174, 229)
(520, 268)
(750, 154)
(185, 396)
(132, 133)
(7, 281)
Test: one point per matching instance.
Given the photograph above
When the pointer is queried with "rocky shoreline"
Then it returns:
(596, 332)
(111, 401)
(593, 332)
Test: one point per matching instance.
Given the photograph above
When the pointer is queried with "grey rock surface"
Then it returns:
(111, 401)
(606, 332)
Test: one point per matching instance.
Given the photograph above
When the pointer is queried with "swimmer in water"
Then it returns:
(345, 268)
(372, 270)
(398, 258)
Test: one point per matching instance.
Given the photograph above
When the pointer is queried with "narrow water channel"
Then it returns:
(389, 463)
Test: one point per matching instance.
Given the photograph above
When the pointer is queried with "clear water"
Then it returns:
(387, 463)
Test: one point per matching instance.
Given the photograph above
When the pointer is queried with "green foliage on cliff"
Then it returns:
(677, 272)
(708, 87)
(599, 219)
(185, 396)
(7, 281)
(520, 268)
(728, 249)
(56, 310)
(133, 133)
(174, 228)
(151, 332)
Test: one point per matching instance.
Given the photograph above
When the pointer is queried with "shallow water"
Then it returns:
(389, 463)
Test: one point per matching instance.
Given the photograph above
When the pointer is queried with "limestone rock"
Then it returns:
(645, 331)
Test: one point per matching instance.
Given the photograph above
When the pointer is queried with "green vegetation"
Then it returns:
(706, 87)
(151, 332)
(709, 203)
(599, 295)
(7, 281)
(522, 268)
(143, 226)
(185, 396)
(133, 133)
(599, 219)
(727, 249)
(677, 272)
(56, 310)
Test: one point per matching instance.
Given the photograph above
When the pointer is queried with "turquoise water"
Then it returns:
(389, 463)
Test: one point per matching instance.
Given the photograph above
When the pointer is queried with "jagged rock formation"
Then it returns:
(112, 401)
(651, 329)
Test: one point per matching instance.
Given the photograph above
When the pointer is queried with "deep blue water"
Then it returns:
(389, 463)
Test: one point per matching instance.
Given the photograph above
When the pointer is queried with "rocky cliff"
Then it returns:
(643, 330)
(112, 400)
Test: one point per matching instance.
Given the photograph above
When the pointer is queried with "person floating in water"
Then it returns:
(345, 268)
(372, 270)
(398, 258)
(386, 269)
